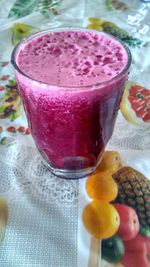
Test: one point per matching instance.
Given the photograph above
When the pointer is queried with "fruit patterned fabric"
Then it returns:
(117, 221)
(103, 220)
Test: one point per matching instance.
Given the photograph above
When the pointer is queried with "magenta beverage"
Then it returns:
(71, 82)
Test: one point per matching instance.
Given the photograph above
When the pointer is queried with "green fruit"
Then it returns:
(112, 249)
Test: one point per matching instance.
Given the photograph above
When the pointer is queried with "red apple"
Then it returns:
(129, 223)
(137, 252)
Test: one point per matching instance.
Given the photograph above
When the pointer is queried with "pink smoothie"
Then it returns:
(71, 98)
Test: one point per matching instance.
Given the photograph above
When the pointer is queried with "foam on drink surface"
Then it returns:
(72, 58)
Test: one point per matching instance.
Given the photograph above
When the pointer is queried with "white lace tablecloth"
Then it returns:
(43, 228)
(43, 211)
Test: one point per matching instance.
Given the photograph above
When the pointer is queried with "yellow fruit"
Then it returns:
(100, 219)
(111, 162)
(101, 186)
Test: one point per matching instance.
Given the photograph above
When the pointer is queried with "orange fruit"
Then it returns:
(100, 219)
(110, 162)
(135, 104)
(101, 186)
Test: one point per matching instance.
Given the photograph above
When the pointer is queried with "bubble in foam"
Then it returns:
(75, 62)
(98, 56)
(119, 55)
(107, 60)
(40, 39)
(88, 63)
(56, 51)
(96, 44)
(96, 62)
(96, 37)
(86, 71)
(48, 41)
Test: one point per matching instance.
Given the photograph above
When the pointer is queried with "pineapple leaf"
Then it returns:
(14, 115)
(22, 8)
(45, 6)
(133, 42)
(113, 29)
(3, 141)
(12, 82)
(109, 4)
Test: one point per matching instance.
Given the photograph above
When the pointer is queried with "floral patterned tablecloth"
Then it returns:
(32, 193)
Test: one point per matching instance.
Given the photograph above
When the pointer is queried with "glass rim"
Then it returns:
(59, 29)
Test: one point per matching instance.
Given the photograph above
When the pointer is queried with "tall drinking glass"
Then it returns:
(71, 83)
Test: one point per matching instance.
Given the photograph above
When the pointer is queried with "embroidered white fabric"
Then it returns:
(127, 136)
(22, 169)
(42, 211)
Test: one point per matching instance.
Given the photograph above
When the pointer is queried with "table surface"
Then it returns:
(43, 224)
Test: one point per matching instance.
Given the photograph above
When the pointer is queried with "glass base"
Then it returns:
(70, 174)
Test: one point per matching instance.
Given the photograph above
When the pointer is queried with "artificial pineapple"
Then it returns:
(134, 191)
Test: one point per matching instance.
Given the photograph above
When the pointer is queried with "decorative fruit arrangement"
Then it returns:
(100, 218)
(119, 213)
